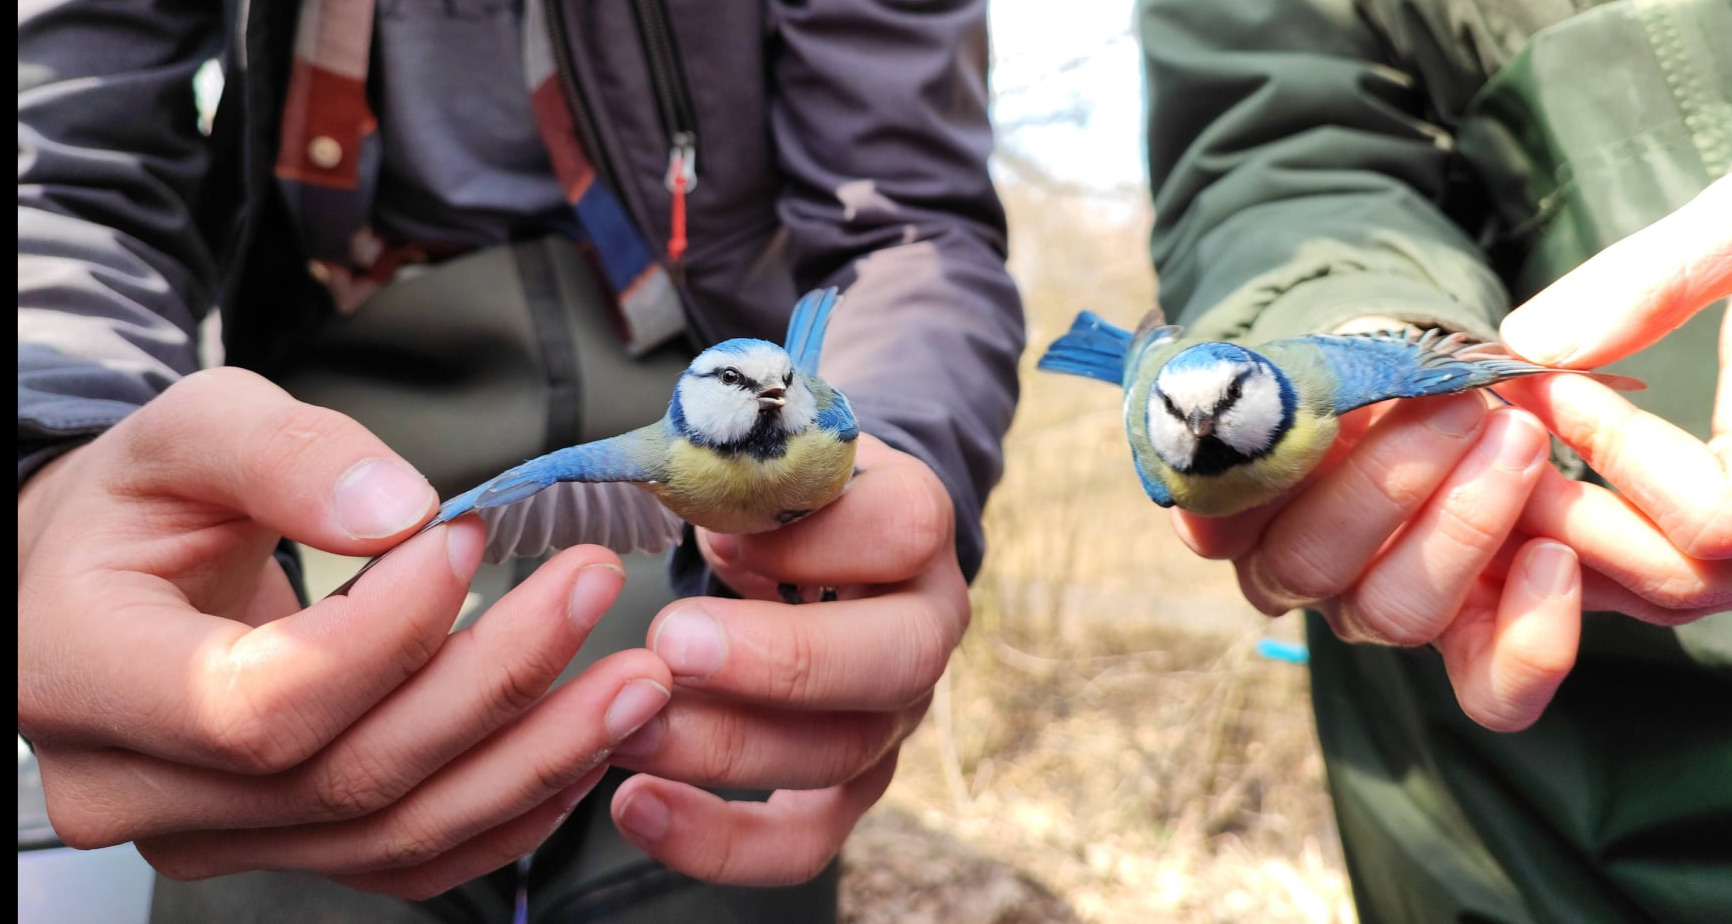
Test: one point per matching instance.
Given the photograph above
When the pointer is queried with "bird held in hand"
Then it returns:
(1216, 427)
(752, 440)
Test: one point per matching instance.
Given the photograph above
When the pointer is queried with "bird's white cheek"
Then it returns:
(1253, 422)
(1175, 444)
(719, 413)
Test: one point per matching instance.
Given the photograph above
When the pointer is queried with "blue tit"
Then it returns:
(752, 440)
(1216, 428)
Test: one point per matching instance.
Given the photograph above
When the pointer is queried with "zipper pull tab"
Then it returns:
(682, 177)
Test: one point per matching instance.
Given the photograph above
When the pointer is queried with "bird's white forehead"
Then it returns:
(765, 362)
(1198, 386)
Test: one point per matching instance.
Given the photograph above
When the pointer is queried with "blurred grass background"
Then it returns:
(1106, 746)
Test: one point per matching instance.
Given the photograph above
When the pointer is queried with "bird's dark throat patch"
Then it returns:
(765, 441)
(1214, 456)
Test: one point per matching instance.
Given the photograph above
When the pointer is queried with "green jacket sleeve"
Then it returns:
(1296, 176)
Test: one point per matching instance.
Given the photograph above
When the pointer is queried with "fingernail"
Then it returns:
(382, 497)
(645, 741)
(1520, 440)
(463, 547)
(691, 643)
(724, 546)
(1551, 570)
(1459, 415)
(632, 706)
(592, 592)
(645, 816)
(1535, 339)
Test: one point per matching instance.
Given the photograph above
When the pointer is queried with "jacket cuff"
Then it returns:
(970, 535)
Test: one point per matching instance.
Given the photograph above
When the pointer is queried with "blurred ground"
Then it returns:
(1106, 746)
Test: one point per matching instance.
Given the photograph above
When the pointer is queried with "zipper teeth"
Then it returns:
(657, 34)
(578, 105)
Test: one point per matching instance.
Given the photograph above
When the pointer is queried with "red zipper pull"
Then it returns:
(682, 176)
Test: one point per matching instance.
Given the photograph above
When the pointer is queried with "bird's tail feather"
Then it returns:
(805, 340)
(1092, 348)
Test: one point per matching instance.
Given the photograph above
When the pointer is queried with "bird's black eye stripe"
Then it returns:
(732, 376)
(1172, 408)
(788, 380)
(1235, 390)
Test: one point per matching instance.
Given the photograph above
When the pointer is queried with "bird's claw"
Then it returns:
(791, 594)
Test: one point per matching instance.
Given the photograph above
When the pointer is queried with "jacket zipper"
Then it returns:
(674, 104)
(580, 109)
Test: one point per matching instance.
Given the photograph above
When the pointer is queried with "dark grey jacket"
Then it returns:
(843, 142)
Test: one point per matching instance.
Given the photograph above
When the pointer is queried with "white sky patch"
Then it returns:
(1067, 88)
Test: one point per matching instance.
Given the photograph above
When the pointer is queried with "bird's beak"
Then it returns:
(771, 398)
(1200, 423)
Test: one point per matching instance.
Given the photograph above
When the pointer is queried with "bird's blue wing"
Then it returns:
(1153, 486)
(805, 340)
(1372, 367)
(591, 493)
(837, 416)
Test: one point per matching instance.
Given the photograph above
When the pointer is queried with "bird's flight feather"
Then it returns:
(1377, 366)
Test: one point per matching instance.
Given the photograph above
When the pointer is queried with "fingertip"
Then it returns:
(380, 497)
(594, 588)
(1187, 530)
(1534, 334)
(465, 542)
(1549, 570)
(721, 549)
(640, 813)
(1535, 640)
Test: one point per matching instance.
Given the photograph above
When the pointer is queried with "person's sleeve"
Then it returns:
(1296, 176)
(880, 125)
(113, 276)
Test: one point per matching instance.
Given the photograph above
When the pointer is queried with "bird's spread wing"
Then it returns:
(620, 515)
(584, 494)
(1373, 367)
(806, 326)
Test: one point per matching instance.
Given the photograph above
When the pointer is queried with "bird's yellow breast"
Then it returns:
(1260, 480)
(736, 493)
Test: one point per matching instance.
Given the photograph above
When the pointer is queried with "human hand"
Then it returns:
(812, 700)
(178, 695)
(1659, 549)
(1405, 535)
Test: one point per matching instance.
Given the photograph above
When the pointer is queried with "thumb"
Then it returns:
(229, 437)
(1634, 292)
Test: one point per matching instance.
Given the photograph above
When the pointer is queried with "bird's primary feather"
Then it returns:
(1216, 427)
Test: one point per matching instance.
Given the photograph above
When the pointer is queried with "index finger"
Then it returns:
(1634, 292)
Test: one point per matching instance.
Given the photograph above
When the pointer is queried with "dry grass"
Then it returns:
(1106, 746)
